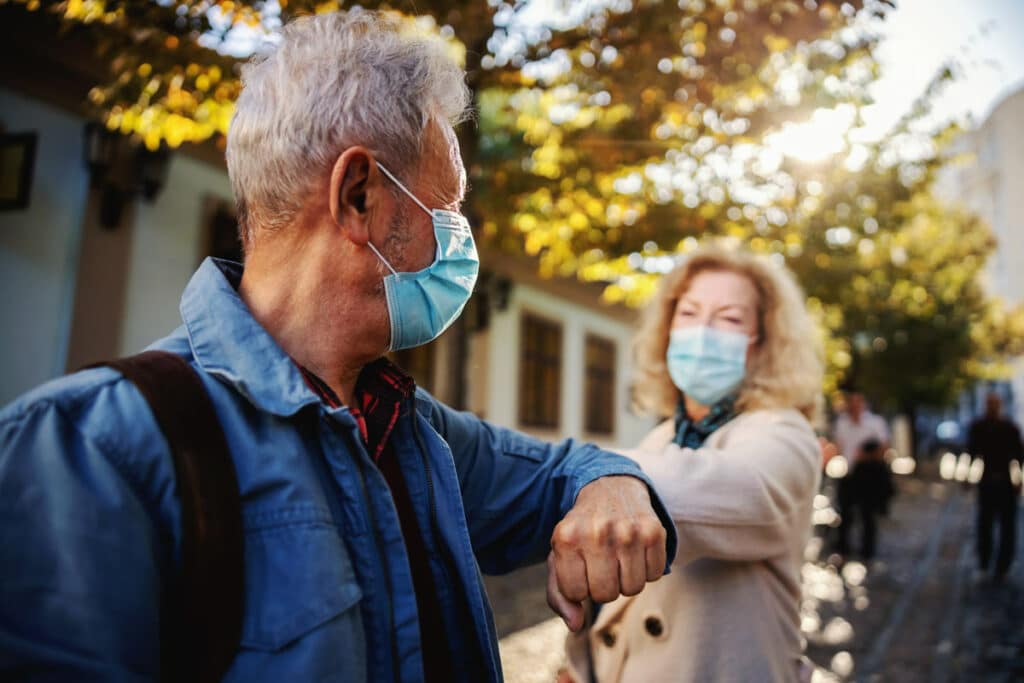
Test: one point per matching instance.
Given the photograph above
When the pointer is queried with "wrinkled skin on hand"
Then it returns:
(611, 543)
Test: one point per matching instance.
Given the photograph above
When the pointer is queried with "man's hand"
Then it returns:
(610, 544)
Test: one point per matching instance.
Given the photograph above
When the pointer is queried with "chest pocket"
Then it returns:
(299, 577)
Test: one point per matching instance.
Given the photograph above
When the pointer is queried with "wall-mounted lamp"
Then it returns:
(121, 171)
(100, 150)
(499, 292)
(492, 294)
(152, 171)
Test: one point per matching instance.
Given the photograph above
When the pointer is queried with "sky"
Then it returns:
(983, 36)
(978, 37)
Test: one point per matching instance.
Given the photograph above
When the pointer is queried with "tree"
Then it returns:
(590, 102)
(647, 73)
(629, 120)
(891, 271)
(611, 140)
(899, 271)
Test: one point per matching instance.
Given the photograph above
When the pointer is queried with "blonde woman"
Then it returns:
(727, 352)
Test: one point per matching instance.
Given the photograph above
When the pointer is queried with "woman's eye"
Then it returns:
(686, 314)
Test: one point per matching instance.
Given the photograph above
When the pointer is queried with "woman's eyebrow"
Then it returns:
(716, 309)
(726, 307)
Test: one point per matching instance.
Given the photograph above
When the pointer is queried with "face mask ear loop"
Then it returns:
(381, 257)
(402, 187)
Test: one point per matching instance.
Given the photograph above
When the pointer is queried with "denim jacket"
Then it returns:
(90, 528)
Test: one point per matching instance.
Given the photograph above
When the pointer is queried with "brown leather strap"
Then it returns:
(201, 616)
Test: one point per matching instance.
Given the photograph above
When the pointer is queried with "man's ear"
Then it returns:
(355, 185)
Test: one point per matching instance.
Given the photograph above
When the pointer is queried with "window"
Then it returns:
(418, 362)
(599, 385)
(17, 159)
(540, 372)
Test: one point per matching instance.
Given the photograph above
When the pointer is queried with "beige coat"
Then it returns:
(729, 610)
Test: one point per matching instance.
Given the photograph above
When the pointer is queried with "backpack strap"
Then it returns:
(201, 614)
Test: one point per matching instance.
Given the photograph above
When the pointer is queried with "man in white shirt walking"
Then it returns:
(862, 438)
(857, 425)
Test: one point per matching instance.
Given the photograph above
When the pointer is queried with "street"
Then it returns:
(918, 612)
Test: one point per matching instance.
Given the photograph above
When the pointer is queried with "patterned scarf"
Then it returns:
(690, 434)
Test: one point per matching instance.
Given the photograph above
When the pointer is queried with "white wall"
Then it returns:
(39, 248)
(169, 236)
(1002, 133)
(503, 351)
(992, 185)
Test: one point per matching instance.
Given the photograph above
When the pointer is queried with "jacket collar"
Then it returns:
(227, 342)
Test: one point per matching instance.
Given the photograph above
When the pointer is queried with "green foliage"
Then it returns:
(616, 135)
(610, 142)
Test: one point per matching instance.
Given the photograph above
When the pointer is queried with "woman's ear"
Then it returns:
(354, 181)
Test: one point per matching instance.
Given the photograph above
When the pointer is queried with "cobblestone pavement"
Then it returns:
(918, 612)
(530, 635)
(519, 599)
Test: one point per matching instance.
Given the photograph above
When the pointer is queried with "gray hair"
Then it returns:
(334, 81)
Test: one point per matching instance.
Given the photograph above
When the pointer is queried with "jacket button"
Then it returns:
(608, 638)
(654, 626)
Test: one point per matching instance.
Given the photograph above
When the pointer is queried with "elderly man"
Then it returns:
(368, 506)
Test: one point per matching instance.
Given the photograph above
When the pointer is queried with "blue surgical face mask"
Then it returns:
(707, 364)
(424, 304)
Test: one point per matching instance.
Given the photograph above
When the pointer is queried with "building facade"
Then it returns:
(990, 182)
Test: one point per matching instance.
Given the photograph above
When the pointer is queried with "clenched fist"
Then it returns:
(610, 544)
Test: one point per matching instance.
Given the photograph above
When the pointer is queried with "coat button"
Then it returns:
(654, 626)
(608, 638)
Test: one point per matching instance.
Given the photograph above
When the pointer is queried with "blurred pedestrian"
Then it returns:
(725, 347)
(856, 426)
(997, 441)
(862, 438)
(864, 493)
(369, 507)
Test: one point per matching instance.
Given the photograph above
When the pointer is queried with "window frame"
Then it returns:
(536, 358)
(605, 380)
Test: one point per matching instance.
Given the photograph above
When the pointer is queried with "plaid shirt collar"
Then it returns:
(380, 391)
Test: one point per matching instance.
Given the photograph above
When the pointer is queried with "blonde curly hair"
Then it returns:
(785, 369)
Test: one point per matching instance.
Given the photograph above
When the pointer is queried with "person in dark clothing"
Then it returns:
(997, 441)
(864, 493)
